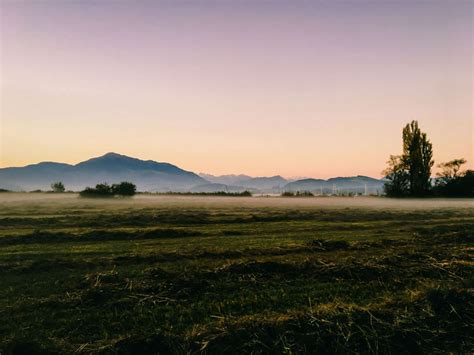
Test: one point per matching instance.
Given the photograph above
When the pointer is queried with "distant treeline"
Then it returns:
(409, 174)
(297, 194)
(217, 193)
(310, 194)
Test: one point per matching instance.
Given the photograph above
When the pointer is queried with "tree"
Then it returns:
(452, 182)
(100, 190)
(450, 170)
(125, 188)
(105, 190)
(58, 187)
(461, 186)
(410, 173)
(398, 178)
(417, 158)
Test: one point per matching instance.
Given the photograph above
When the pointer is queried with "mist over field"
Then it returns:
(159, 201)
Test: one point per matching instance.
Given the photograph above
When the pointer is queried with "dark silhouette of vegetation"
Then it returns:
(4, 190)
(100, 190)
(398, 183)
(417, 157)
(58, 187)
(124, 189)
(452, 182)
(410, 173)
(217, 193)
(106, 190)
(297, 194)
(450, 170)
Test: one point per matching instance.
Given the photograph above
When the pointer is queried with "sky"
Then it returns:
(296, 88)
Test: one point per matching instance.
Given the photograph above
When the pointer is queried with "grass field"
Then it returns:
(182, 274)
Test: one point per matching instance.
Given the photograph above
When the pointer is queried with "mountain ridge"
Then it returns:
(154, 176)
(148, 175)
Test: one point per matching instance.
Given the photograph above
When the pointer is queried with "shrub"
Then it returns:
(105, 190)
(58, 187)
(100, 190)
(124, 189)
(459, 186)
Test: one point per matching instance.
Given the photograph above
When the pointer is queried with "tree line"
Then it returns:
(124, 188)
(409, 174)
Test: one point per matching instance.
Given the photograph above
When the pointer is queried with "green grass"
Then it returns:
(172, 274)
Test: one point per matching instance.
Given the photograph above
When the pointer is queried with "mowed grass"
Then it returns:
(235, 275)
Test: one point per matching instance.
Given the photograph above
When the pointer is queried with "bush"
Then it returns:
(100, 190)
(124, 189)
(217, 193)
(459, 186)
(105, 190)
(58, 187)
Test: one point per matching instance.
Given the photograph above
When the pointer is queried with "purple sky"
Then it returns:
(298, 88)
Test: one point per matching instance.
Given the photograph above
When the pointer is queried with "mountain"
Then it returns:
(305, 185)
(225, 179)
(154, 176)
(148, 175)
(263, 184)
(354, 184)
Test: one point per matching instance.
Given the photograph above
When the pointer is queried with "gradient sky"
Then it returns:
(297, 88)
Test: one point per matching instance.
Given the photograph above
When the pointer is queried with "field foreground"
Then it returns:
(237, 275)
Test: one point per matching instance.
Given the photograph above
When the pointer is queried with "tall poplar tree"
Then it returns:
(418, 158)
(410, 173)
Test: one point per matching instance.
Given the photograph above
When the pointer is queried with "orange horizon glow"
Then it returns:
(297, 89)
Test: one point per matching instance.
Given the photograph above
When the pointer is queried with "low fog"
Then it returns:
(72, 200)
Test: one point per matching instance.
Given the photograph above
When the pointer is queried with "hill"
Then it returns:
(246, 182)
(354, 184)
(148, 175)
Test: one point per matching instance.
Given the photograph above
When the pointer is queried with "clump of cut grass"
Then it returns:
(329, 245)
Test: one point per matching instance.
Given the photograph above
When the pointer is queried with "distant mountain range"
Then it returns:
(148, 175)
(257, 183)
(354, 184)
(154, 176)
